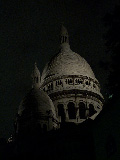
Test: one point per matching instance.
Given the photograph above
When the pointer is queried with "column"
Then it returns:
(87, 110)
(66, 112)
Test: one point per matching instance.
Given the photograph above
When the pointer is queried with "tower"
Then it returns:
(35, 77)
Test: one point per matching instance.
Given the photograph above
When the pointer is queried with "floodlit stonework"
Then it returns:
(70, 86)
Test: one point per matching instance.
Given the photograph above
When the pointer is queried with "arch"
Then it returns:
(59, 82)
(61, 112)
(87, 82)
(78, 81)
(52, 86)
(71, 110)
(66, 80)
(70, 81)
(91, 110)
(82, 110)
(56, 83)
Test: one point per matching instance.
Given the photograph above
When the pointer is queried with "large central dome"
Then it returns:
(67, 62)
(71, 84)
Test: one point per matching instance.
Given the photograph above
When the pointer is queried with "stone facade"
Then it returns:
(67, 91)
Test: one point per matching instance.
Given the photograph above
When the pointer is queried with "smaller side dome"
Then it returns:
(36, 109)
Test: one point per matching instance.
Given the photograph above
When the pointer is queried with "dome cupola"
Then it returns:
(64, 39)
(64, 35)
(35, 77)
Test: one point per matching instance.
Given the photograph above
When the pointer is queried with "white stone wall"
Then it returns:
(70, 83)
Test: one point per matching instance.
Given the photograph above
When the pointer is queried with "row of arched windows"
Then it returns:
(59, 82)
(72, 111)
(69, 81)
(78, 81)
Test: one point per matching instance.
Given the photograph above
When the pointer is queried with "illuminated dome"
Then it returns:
(67, 62)
(36, 110)
(71, 84)
(37, 101)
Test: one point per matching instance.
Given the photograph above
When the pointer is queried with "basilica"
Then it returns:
(66, 92)
(59, 116)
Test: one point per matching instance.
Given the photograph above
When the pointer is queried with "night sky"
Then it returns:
(29, 32)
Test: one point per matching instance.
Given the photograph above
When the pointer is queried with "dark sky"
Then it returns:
(29, 32)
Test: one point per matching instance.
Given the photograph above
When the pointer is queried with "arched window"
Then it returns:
(82, 110)
(70, 81)
(59, 82)
(80, 81)
(56, 83)
(71, 110)
(91, 110)
(66, 81)
(76, 81)
(61, 112)
(52, 86)
(87, 83)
